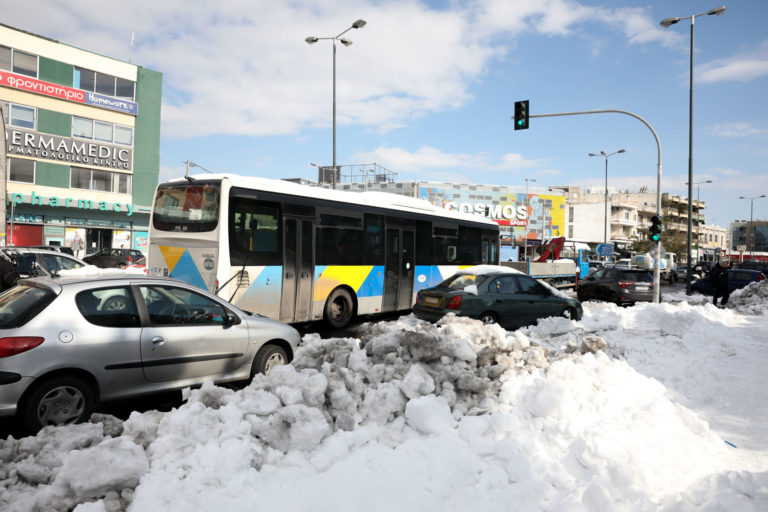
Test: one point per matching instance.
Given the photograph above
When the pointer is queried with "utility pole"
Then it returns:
(3, 178)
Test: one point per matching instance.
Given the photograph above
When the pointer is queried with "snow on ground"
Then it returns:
(654, 407)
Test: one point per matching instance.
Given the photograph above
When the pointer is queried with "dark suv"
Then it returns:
(761, 266)
(114, 258)
(620, 285)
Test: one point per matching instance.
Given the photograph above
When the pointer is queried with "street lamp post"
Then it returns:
(698, 224)
(346, 42)
(667, 22)
(752, 227)
(527, 211)
(605, 214)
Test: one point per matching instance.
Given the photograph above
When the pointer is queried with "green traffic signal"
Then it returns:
(521, 115)
(654, 232)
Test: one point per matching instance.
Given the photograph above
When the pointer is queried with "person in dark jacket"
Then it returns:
(8, 273)
(719, 278)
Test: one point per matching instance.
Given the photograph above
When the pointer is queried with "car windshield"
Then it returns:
(461, 281)
(21, 303)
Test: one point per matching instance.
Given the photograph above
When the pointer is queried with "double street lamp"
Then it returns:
(751, 226)
(605, 214)
(668, 22)
(346, 42)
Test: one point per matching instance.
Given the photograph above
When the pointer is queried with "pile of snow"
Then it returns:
(602, 414)
(752, 299)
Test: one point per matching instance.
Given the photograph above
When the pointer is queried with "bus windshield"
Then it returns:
(189, 207)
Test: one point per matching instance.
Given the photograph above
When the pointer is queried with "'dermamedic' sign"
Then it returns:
(67, 150)
(63, 92)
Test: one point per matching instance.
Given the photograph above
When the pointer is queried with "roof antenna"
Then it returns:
(190, 163)
(187, 176)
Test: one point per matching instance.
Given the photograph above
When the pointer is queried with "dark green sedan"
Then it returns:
(495, 294)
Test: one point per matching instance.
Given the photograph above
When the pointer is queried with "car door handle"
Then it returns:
(158, 340)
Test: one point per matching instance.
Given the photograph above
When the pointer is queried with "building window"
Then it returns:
(102, 181)
(122, 183)
(21, 170)
(101, 131)
(103, 83)
(17, 61)
(25, 63)
(19, 115)
(5, 58)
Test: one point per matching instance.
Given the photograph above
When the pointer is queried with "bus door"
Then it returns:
(298, 269)
(398, 269)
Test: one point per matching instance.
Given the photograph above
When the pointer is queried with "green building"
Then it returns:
(82, 137)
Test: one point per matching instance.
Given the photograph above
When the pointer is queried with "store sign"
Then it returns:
(493, 211)
(68, 202)
(66, 149)
(63, 92)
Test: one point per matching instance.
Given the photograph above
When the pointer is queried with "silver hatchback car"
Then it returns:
(69, 342)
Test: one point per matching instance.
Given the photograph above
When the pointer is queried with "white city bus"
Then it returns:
(298, 254)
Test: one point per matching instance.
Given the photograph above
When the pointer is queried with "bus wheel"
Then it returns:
(338, 308)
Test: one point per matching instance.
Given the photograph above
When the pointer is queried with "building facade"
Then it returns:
(82, 137)
(749, 236)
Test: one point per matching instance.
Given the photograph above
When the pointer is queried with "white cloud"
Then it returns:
(734, 130)
(742, 67)
(427, 160)
(242, 66)
(726, 70)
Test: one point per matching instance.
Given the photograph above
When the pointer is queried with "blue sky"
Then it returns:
(428, 88)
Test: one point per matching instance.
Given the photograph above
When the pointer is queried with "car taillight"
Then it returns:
(626, 284)
(419, 298)
(18, 344)
(454, 303)
(760, 277)
(129, 258)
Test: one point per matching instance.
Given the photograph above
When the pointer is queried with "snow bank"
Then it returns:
(415, 416)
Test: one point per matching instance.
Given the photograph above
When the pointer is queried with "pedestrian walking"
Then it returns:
(719, 278)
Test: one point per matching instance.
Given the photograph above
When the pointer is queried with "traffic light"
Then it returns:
(521, 115)
(654, 232)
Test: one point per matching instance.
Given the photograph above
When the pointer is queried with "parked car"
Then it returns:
(737, 278)
(59, 248)
(680, 273)
(622, 286)
(69, 342)
(114, 258)
(33, 261)
(494, 294)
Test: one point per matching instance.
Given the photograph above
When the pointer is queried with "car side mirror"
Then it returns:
(230, 319)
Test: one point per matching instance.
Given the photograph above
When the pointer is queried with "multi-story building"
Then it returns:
(82, 144)
(713, 240)
(749, 236)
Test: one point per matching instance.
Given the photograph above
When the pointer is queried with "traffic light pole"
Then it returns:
(656, 268)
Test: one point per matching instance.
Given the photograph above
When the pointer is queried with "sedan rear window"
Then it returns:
(638, 277)
(461, 281)
(21, 304)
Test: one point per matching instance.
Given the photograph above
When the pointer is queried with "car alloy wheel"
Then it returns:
(268, 358)
(489, 318)
(58, 401)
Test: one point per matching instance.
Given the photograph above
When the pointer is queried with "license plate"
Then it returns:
(431, 301)
(642, 288)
